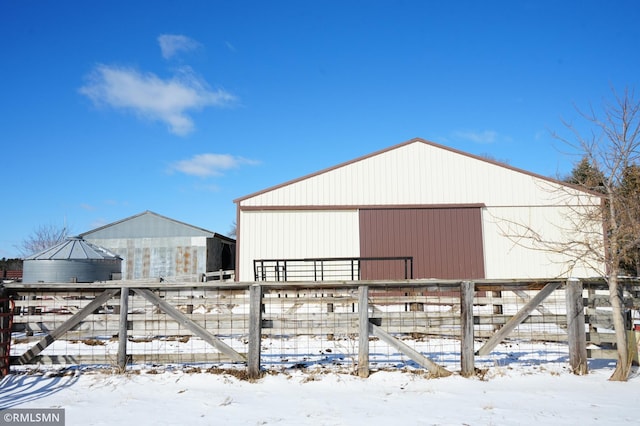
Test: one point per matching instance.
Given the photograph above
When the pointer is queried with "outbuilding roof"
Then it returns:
(149, 224)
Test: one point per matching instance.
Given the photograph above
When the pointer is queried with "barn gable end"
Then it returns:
(153, 246)
(329, 214)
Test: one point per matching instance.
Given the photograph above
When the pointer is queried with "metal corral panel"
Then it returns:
(296, 234)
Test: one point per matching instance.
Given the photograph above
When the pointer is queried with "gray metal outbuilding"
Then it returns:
(155, 246)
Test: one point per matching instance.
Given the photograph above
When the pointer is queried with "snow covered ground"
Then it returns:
(511, 395)
(308, 383)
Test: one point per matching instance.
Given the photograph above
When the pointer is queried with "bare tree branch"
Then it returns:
(605, 233)
(42, 238)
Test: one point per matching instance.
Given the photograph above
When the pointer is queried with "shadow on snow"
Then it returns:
(17, 389)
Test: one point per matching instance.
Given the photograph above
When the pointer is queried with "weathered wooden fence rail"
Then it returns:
(120, 323)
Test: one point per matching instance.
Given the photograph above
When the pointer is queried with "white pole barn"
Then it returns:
(457, 215)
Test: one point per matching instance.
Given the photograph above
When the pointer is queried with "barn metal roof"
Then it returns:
(150, 225)
(74, 248)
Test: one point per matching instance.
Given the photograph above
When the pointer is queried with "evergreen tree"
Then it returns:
(585, 175)
(629, 198)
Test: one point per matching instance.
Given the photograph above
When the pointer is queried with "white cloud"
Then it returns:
(98, 223)
(207, 188)
(172, 44)
(87, 207)
(204, 165)
(487, 136)
(152, 97)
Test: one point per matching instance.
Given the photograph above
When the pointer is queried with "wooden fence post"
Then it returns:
(122, 333)
(255, 331)
(497, 309)
(467, 357)
(6, 314)
(363, 343)
(575, 327)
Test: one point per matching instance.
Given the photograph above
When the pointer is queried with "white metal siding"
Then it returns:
(508, 254)
(296, 234)
(416, 173)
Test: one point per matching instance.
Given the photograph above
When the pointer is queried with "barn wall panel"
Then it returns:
(295, 234)
(510, 254)
(158, 257)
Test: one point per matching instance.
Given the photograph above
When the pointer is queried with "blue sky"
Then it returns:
(111, 108)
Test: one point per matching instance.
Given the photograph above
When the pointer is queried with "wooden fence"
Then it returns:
(442, 326)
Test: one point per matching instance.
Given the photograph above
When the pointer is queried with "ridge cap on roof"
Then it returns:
(146, 212)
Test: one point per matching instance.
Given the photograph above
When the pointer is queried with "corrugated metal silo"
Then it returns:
(73, 260)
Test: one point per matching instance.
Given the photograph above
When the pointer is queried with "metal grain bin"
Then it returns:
(73, 260)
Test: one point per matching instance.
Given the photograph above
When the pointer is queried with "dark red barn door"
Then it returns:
(445, 243)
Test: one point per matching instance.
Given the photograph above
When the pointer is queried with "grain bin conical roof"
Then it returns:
(74, 248)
